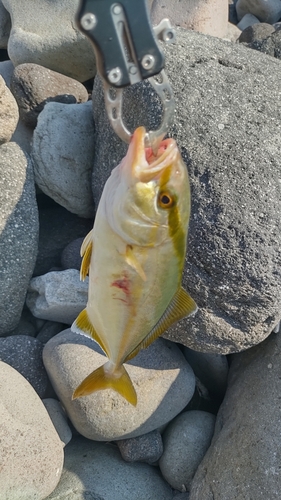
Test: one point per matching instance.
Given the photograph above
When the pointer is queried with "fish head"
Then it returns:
(148, 195)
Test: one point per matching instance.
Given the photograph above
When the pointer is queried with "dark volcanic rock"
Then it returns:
(227, 126)
(243, 461)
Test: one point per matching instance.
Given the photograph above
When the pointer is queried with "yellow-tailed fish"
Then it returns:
(135, 256)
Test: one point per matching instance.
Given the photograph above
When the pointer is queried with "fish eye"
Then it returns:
(165, 200)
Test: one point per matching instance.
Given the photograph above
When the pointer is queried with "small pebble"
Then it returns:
(146, 448)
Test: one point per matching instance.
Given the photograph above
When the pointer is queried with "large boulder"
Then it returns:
(228, 128)
(243, 461)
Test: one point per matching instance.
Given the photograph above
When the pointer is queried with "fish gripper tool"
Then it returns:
(127, 52)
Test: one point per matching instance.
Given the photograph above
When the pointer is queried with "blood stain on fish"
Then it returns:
(124, 285)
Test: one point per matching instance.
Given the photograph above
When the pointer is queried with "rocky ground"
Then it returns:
(207, 423)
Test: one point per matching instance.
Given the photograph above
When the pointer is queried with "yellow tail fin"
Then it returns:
(100, 379)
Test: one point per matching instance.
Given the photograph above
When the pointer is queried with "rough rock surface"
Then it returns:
(57, 296)
(5, 26)
(163, 380)
(228, 128)
(9, 113)
(257, 32)
(56, 44)
(62, 153)
(24, 354)
(96, 471)
(31, 453)
(59, 419)
(243, 461)
(70, 257)
(267, 11)
(247, 21)
(18, 233)
(33, 86)
(185, 441)
(146, 448)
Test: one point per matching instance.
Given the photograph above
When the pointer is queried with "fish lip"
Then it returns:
(141, 169)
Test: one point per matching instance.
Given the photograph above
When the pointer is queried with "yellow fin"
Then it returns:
(86, 252)
(133, 262)
(181, 305)
(101, 379)
(85, 326)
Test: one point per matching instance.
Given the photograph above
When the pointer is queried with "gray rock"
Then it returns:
(23, 137)
(5, 26)
(33, 86)
(62, 153)
(70, 257)
(9, 113)
(233, 33)
(56, 44)
(163, 380)
(6, 70)
(24, 354)
(58, 227)
(57, 296)
(18, 233)
(211, 369)
(231, 104)
(271, 45)
(267, 11)
(59, 419)
(243, 460)
(186, 441)
(181, 496)
(24, 328)
(49, 330)
(146, 448)
(31, 451)
(96, 471)
(246, 21)
(207, 16)
(257, 32)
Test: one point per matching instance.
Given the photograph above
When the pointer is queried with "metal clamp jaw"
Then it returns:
(126, 53)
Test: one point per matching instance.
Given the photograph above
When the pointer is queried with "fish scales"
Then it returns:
(135, 257)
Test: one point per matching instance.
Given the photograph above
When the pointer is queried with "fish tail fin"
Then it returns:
(102, 378)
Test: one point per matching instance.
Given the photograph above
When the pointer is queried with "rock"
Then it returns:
(233, 263)
(49, 330)
(247, 434)
(33, 86)
(18, 233)
(211, 369)
(163, 380)
(186, 441)
(24, 354)
(246, 21)
(57, 296)
(181, 496)
(9, 113)
(23, 137)
(62, 153)
(232, 33)
(271, 45)
(257, 32)
(146, 448)
(267, 11)
(24, 328)
(207, 16)
(96, 471)
(57, 44)
(31, 451)
(70, 257)
(6, 69)
(5, 26)
(59, 419)
(58, 227)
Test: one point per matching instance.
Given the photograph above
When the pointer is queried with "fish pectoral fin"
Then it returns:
(132, 261)
(181, 305)
(101, 379)
(86, 253)
(83, 325)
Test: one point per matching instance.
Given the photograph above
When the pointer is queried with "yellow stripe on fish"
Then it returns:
(135, 256)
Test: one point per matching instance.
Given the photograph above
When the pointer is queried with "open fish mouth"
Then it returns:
(146, 165)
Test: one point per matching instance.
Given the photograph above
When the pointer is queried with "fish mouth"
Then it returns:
(145, 164)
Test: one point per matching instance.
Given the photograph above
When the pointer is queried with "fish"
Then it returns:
(134, 256)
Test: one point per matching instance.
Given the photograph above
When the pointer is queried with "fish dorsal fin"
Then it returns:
(83, 325)
(132, 261)
(181, 305)
(86, 253)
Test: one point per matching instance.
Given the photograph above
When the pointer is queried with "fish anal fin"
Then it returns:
(181, 305)
(132, 261)
(82, 324)
(86, 252)
(101, 379)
